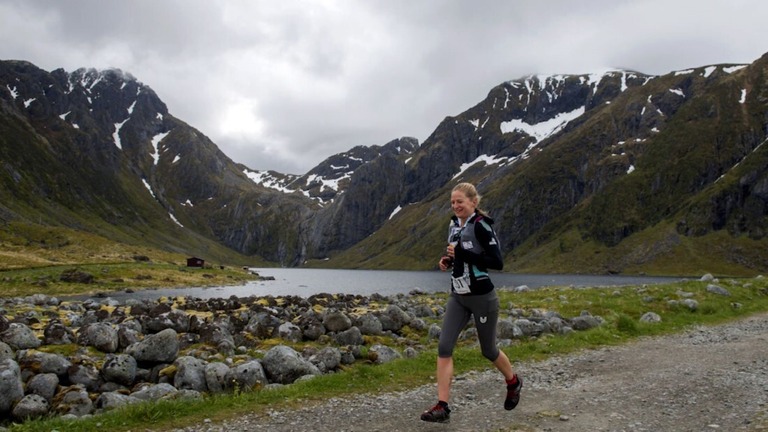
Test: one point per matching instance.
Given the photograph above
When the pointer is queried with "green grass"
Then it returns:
(33, 257)
(621, 309)
(116, 277)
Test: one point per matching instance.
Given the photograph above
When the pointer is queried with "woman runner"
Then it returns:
(472, 249)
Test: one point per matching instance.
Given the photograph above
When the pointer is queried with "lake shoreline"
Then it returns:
(304, 282)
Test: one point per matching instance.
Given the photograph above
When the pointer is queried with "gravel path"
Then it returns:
(706, 379)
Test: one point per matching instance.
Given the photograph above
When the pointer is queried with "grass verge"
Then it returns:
(621, 308)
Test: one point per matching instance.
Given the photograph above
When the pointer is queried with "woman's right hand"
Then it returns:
(445, 263)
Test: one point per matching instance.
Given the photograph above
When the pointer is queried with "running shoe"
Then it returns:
(437, 414)
(513, 394)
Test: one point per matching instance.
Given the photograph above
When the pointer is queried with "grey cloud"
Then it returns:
(316, 78)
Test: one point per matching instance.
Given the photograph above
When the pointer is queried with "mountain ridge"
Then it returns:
(545, 151)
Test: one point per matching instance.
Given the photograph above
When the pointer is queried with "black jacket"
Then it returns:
(478, 248)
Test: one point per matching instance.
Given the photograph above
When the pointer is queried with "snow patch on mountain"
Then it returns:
(543, 130)
(155, 143)
(264, 178)
(488, 160)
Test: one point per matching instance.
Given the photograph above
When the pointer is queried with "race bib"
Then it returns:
(460, 285)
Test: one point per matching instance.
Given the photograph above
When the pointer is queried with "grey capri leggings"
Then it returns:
(485, 309)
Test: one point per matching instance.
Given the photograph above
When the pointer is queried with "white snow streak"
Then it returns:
(489, 160)
(395, 211)
(155, 145)
(149, 188)
(173, 218)
(545, 129)
(116, 135)
(678, 92)
(732, 69)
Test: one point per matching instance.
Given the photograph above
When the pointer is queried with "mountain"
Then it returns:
(98, 151)
(616, 172)
(613, 172)
(325, 182)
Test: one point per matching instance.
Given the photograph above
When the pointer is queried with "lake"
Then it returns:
(307, 282)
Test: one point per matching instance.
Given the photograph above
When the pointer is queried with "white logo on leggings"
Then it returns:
(483, 320)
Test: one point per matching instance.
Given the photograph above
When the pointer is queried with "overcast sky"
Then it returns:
(282, 84)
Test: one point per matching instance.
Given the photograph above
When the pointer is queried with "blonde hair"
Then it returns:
(470, 191)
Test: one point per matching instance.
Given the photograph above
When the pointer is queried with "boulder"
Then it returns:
(327, 359)
(6, 352)
(691, 304)
(120, 369)
(290, 332)
(381, 354)
(336, 321)
(216, 377)
(162, 347)
(112, 400)
(262, 325)
(56, 333)
(311, 327)
(175, 319)
(353, 336)
(44, 384)
(283, 365)
(715, 289)
(246, 376)
(155, 392)
(434, 332)
(190, 374)
(76, 276)
(369, 324)
(29, 407)
(99, 335)
(506, 329)
(127, 336)
(397, 318)
(556, 324)
(417, 324)
(11, 388)
(86, 375)
(650, 317)
(73, 400)
(584, 322)
(528, 327)
(219, 336)
(4, 323)
(42, 362)
(424, 311)
(19, 336)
